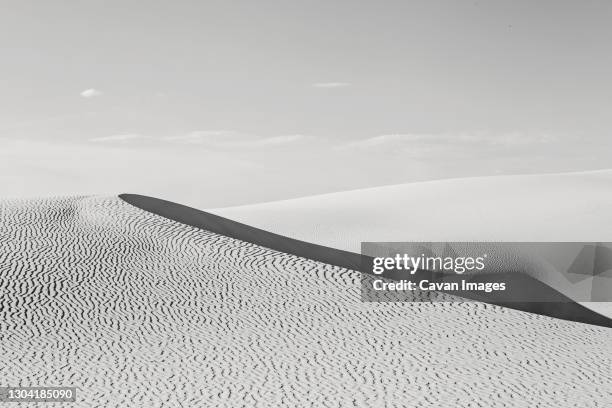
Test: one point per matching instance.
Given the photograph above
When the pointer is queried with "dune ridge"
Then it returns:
(553, 304)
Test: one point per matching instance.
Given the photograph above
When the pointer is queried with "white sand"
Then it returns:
(552, 208)
(137, 310)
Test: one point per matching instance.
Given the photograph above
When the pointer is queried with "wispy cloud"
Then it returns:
(214, 139)
(117, 138)
(91, 93)
(449, 140)
(331, 84)
(205, 136)
(227, 139)
(279, 140)
(455, 146)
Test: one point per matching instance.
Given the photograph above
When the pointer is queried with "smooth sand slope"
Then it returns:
(553, 207)
(138, 310)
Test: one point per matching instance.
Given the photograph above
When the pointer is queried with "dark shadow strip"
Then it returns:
(564, 308)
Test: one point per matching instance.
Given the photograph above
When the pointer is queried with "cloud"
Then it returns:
(227, 139)
(117, 138)
(331, 84)
(279, 140)
(446, 140)
(206, 136)
(450, 146)
(91, 93)
(213, 139)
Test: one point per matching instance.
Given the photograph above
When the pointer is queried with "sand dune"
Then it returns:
(570, 207)
(138, 310)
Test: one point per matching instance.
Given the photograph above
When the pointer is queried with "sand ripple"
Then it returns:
(138, 310)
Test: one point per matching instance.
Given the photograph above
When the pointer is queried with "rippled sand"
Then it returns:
(137, 310)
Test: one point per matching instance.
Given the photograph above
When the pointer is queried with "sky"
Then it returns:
(224, 103)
